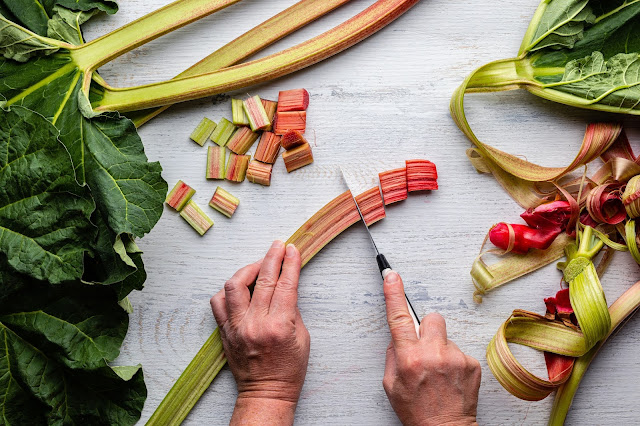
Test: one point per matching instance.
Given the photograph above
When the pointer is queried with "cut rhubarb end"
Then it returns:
(216, 160)
(293, 100)
(259, 173)
(294, 120)
(297, 157)
(394, 185)
(180, 195)
(224, 202)
(237, 167)
(371, 207)
(223, 132)
(203, 131)
(242, 140)
(291, 139)
(270, 108)
(196, 218)
(258, 119)
(238, 116)
(268, 148)
(421, 175)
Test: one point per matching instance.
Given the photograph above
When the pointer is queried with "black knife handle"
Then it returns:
(383, 264)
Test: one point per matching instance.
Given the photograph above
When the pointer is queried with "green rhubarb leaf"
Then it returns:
(65, 24)
(20, 44)
(106, 151)
(35, 15)
(55, 345)
(45, 226)
(561, 24)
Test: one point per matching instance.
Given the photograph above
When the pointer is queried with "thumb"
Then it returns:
(400, 321)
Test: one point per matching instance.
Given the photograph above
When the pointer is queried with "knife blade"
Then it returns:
(383, 265)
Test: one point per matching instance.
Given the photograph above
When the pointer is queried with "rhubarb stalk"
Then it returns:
(223, 132)
(180, 195)
(394, 185)
(195, 217)
(259, 173)
(290, 120)
(371, 206)
(237, 167)
(293, 100)
(297, 157)
(203, 131)
(345, 35)
(242, 140)
(238, 116)
(256, 114)
(292, 139)
(224, 202)
(421, 175)
(268, 148)
(270, 108)
(216, 160)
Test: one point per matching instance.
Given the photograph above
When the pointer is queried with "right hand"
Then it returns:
(428, 380)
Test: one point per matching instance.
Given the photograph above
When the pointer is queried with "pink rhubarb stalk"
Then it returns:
(180, 195)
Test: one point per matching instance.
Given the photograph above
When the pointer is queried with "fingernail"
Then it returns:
(277, 244)
(392, 277)
(291, 250)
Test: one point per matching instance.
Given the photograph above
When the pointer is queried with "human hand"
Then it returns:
(428, 380)
(264, 338)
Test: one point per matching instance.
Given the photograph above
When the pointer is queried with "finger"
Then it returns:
(236, 291)
(219, 308)
(400, 322)
(285, 295)
(390, 360)
(433, 328)
(268, 277)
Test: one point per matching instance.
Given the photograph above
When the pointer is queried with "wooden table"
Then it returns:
(382, 101)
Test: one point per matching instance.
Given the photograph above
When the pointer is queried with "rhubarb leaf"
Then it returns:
(45, 226)
(106, 151)
(561, 25)
(55, 345)
(36, 15)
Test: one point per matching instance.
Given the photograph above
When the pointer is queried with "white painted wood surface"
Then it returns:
(382, 101)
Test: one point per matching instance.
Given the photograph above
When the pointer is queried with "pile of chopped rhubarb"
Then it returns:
(275, 125)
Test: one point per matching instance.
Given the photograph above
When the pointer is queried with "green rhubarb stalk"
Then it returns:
(238, 116)
(203, 131)
(354, 30)
(195, 379)
(251, 42)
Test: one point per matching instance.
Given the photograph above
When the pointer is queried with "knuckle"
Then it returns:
(265, 282)
(387, 383)
(286, 283)
(230, 285)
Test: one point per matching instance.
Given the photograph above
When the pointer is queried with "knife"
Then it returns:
(383, 264)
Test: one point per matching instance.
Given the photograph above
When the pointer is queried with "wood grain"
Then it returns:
(373, 106)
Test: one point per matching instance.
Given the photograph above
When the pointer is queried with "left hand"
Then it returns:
(264, 338)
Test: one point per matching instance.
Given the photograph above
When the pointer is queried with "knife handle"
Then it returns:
(385, 269)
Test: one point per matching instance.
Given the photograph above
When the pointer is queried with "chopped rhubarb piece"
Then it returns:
(421, 175)
(270, 108)
(370, 203)
(223, 132)
(297, 157)
(268, 148)
(394, 185)
(555, 214)
(180, 195)
(203, 131)
(293, 100)
(294, 120)
(238, 115)
(258, 119)
(561, 304)
(242, 140)
(237, 167)
(216, 160)
(224, 202)
(291, 139)
(196, 218)
(259, 173)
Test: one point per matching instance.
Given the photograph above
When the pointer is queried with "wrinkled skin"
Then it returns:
(428, 379)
